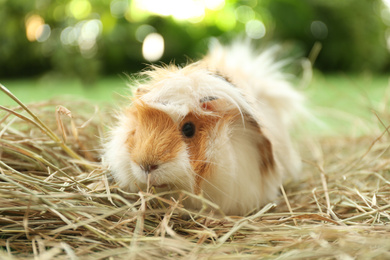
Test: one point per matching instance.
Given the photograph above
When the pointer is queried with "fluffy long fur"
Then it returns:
(241, 106)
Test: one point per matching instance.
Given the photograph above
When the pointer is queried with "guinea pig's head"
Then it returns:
(172, 152)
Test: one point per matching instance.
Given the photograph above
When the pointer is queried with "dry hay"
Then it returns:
(57, 203)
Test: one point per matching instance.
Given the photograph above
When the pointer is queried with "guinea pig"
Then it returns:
(217, 127)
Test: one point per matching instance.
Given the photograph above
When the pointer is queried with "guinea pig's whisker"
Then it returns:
(205, 161)
(183, 184)
(214, 186)
(217, 188)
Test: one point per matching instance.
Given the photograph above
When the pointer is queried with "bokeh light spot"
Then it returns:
(153, 47)
(80, 9)
(255, 29)
(91, 29)
(43, 33)
(162, 8)
(89, 32)
(214, 4)
(387, 3)
(34, 27)
(84, 35)
(135, 13)
(244, 13)
(385, 14)
(69, 35)
(319, 30)
(118, 8)
(191, 10)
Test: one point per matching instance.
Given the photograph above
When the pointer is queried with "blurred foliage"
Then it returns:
(89, 38)
(353, 37)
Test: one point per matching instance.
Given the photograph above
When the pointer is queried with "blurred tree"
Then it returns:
(86, 39)
(352, 32)
(18, 57)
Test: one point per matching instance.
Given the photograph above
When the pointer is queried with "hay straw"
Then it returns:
(57, 203)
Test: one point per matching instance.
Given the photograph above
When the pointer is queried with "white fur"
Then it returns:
(236, 185)
(116, 155)
(258, 89)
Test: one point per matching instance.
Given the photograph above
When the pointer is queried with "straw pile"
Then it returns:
(57, 203)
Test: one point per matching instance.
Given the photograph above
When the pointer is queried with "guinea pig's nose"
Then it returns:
(148, 168)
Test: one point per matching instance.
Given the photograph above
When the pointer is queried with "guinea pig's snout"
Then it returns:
(148, 167)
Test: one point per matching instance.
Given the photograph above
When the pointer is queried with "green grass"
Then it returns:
(105, 90)
(353, 94)
(348, 104)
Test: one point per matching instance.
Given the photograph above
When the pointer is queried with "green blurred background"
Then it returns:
(89, 39)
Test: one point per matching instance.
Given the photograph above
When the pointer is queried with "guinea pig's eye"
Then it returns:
(188, 129)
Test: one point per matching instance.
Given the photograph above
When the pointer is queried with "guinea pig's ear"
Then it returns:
(218, 105)
(208, 104)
